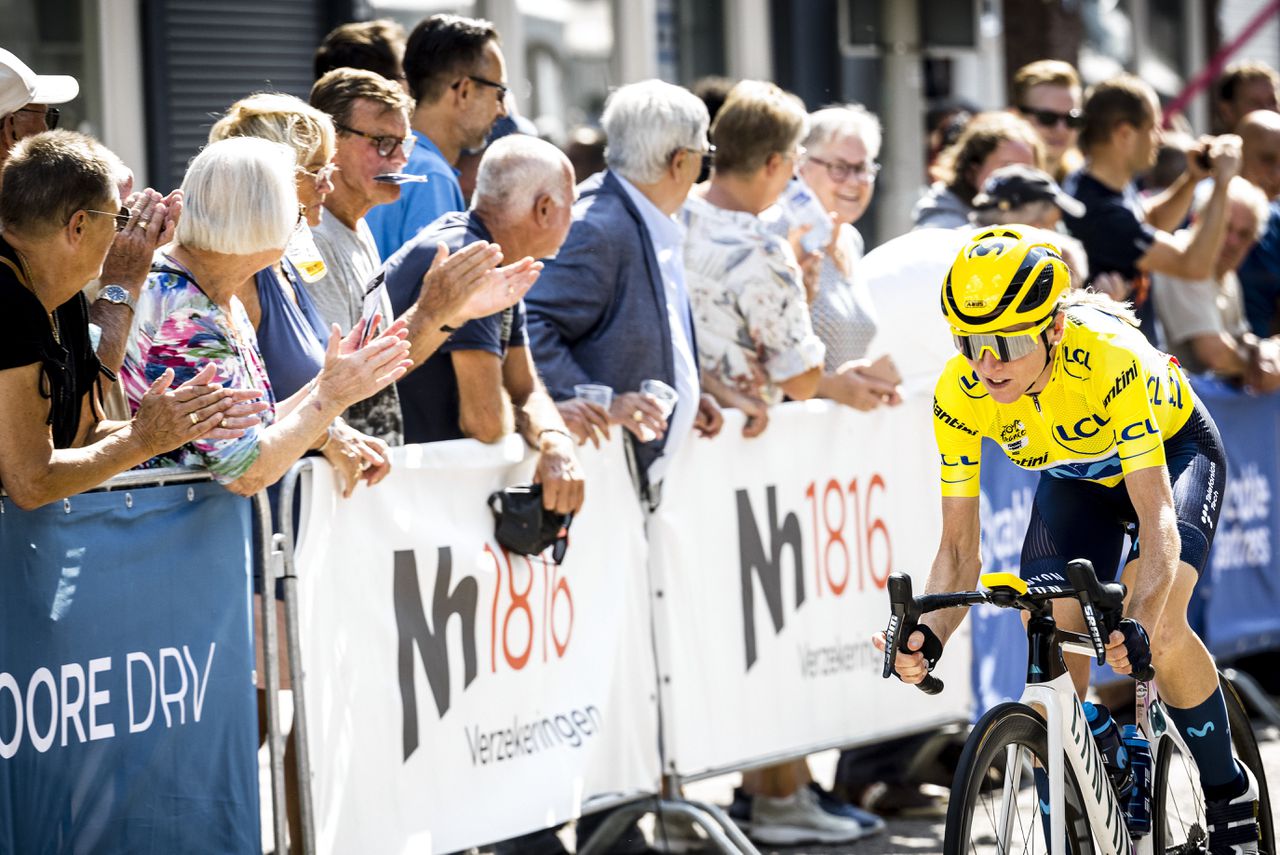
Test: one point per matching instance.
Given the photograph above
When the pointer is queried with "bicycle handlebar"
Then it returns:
(1102, 604)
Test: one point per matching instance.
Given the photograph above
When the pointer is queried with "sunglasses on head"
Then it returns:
(1049, 118)
(1005, 347)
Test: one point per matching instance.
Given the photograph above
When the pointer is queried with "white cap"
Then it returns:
(20, 86)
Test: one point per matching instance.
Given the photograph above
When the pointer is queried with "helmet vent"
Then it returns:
(1039, 291)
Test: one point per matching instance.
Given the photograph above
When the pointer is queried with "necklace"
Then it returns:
(27, 283)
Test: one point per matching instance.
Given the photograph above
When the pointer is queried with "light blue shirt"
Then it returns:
(395, 223)
(667, 236)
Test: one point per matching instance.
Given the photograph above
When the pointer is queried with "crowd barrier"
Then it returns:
(455, 694)
(127, 711)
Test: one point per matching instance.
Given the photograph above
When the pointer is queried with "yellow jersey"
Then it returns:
(1110, 402)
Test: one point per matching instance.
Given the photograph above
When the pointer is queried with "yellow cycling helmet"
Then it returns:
(1004, 276)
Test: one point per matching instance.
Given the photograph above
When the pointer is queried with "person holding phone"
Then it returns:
(1135, 237)
(840, 167)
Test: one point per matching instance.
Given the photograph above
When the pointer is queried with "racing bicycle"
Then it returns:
(995, 805)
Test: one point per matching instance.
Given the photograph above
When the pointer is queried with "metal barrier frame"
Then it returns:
(285, 541)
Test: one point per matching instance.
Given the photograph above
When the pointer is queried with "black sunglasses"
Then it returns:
(502, 88)
(51, 115)
(1049, 118)
(121, 216)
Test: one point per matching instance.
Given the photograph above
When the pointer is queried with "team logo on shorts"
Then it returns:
(1014, 436)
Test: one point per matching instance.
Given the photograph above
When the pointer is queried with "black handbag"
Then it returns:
(523, 525)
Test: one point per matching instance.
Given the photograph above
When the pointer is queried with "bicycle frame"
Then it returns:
(1070, 741)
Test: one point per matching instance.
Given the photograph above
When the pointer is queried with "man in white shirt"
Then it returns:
(1204, 320)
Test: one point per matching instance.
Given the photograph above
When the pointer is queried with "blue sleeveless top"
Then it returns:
(292, 337)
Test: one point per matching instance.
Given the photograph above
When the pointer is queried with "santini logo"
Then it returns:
(1130, 374)
(948, 419)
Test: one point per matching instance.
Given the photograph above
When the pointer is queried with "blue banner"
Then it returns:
(127, 707)
(1240, 587)
(999, 640)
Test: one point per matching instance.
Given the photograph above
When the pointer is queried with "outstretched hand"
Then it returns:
(168, 418)
(352, 373)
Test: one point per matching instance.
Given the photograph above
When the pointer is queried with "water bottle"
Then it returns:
(1115, 757)
(1139, 812)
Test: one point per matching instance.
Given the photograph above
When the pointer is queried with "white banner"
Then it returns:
(457, 695)
(769, 558)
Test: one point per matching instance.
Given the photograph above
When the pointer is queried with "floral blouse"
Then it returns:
(176, 326)
(749, 305)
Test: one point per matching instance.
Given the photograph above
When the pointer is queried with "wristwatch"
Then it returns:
(117, 295)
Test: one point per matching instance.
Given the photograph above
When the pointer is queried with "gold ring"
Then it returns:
(222, 423)
(194, 418)
(144, 223)
(638, 415)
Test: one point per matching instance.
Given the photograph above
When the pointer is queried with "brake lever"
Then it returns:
(1085, 582)
(900, 603)
(904, 615)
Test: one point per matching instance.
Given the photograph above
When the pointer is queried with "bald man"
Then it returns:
(482, 382)
(1260, 273)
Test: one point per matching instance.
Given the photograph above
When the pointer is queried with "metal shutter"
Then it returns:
(202, 55)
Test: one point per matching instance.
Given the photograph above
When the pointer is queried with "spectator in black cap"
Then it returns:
(1023, 194)
(1030, 197)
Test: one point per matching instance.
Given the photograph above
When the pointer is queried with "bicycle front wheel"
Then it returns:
(1177, 803)
(995, 807)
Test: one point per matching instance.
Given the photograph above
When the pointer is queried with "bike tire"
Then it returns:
(971, 825)
(1175, 824)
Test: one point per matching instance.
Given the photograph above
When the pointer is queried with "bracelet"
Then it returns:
(560, 431)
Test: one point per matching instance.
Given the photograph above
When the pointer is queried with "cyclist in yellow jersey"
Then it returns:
(1066, 385)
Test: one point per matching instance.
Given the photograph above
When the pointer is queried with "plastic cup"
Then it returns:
(666, 396)
(594, 393)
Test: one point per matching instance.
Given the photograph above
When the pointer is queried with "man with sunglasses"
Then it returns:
(1131, 236)
(1047, 94)
(371, 116)
(26, 100)
(457, 77)
(1067, 386)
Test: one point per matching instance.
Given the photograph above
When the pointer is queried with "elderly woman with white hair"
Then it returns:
(291, 331)
(241, 208)
(840, 168)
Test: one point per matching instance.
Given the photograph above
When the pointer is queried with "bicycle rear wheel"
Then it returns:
(1177, 803)
(995, 808)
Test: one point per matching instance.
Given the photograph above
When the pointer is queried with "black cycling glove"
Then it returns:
(1138, 646)
(932, 647)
